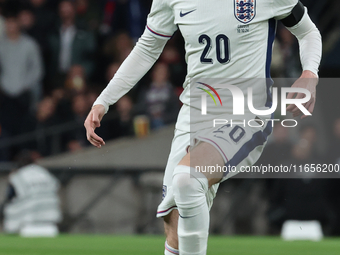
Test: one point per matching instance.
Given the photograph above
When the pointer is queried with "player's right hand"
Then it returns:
(92, 122)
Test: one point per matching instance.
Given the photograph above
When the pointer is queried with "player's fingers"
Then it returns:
(290, 107)
(310, 109)
(308, 104)
(300, 95)
(95, 143)
(296, 112)
(293, 108)
(291, 95)
(93, 138)
(97, 138)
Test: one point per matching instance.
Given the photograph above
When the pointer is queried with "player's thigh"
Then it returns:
(201, 157)
(238, 145)
(179, 145)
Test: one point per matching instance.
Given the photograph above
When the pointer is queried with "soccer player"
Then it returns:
(230, 39)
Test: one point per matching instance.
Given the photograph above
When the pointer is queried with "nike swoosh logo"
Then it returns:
(181, 14)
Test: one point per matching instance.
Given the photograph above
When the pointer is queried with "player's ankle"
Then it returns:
(170, 250)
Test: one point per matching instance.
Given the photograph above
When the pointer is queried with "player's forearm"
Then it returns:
(135, 66)
(310, 43)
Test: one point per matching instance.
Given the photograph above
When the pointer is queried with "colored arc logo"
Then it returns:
(212, 89)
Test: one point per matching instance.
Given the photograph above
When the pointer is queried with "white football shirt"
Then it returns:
(227, 42)
(229, 39)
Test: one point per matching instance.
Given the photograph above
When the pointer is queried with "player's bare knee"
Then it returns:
(188, 186)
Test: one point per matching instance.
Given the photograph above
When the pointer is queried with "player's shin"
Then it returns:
(190, 197)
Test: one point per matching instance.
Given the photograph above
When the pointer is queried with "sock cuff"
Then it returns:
(170, 249)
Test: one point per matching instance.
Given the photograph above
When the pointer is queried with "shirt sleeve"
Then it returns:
(135, 66)
(160, 27)
(283, 8)
(161, 19)
(310, 43)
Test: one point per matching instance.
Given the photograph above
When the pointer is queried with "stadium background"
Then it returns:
(44, 118)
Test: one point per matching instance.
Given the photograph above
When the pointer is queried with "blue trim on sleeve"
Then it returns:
(166, 36)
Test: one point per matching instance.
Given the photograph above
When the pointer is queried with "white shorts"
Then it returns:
(238, 145)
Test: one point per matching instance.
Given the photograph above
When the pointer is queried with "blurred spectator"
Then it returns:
(309, 133)
(88, 14)
(333, 153)
(289, 52)
(37, 20)
(114, 49)
(111, 70)
(159, 101)
(118, 47)
(5, 153)
(62, 100)
(92, 96)
(27, 21)
(123, 124)
(333, 157)
(21, 72)
(69, 45)
(275, 152)
(126, 15)
(2, 23)
(80, 109)
(176, 63)
(278, 149)
(44, 118)
(301, 198)
(76, 80)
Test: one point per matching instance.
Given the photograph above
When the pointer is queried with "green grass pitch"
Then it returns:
(154, 245)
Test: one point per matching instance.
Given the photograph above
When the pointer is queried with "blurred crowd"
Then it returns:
(303, 197)
(57, 56)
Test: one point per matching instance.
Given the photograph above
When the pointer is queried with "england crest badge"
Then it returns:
(164, 191)
(245, 10)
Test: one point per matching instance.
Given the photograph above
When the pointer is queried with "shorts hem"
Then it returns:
(163, 213)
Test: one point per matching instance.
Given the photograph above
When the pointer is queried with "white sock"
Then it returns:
(193, 223)
(169, 250)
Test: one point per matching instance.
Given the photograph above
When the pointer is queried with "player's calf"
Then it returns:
(170, 227)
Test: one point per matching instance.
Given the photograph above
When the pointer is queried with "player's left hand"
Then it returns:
(308, 80)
